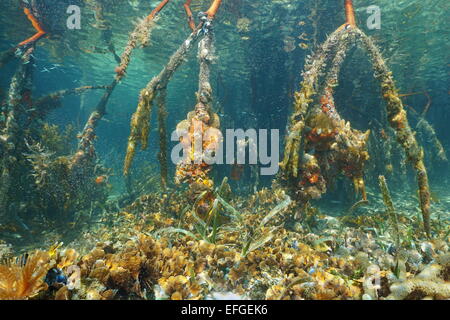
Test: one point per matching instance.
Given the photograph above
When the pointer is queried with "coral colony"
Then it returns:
(177, 231)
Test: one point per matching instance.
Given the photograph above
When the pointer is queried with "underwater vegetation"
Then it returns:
(76, 223)
(160, 249)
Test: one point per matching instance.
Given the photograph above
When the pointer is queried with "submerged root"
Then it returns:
(162, 155)
(49, 102)
(303, 98)
(11, 136)
(139, 123)
(319, 127)
(200, 136)
(140, 119)
(334, 49)
(431, 135)
(140, 126)
(140, 34)
(399, 122)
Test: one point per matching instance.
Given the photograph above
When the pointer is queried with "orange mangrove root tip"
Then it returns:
(155, 11)
(40, 31)
(350, 13)
(213, 9)
(190, 17)
(34, 38)
(33, 20)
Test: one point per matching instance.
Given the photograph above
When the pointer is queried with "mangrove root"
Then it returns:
(140, 121)
(296, 157)
(10, 134)
(399, 122)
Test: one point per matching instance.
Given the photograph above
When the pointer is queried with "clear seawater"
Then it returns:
(260, 48)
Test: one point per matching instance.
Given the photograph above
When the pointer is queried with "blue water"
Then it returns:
(260, 48)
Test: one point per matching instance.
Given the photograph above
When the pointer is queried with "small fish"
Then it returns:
(134, 4)
(54, 249)
(303, 45)
(16, 236)
(100, 179)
